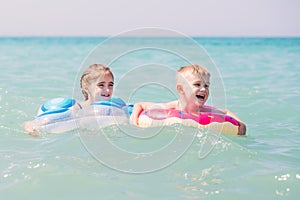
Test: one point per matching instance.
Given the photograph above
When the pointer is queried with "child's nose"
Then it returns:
(202, 88)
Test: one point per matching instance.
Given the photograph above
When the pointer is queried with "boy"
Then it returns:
(192, 84)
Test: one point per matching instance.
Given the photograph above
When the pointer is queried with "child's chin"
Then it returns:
(201, 103)
(104, 98)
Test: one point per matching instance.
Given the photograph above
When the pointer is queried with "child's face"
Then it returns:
(101, 89)
(194, 88)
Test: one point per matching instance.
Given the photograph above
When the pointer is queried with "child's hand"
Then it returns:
(30, 128)
(133, 119)
(242, 129)
(137, 109)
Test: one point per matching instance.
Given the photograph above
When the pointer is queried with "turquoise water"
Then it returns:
(260, 79)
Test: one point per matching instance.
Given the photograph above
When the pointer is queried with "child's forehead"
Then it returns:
(105, 77)
(193, 76)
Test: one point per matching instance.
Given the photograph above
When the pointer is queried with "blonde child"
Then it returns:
(192, 84)
(96, 84)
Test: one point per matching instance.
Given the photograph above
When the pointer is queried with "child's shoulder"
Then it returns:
(172, 105)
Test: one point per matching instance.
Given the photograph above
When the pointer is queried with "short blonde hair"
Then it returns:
(93, 72)
(193, 68)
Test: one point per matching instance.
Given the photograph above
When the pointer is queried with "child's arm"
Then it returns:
(242, 126)
(137, 109)
(141, 106)
(32, 127)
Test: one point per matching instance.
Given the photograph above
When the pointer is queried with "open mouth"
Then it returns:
(200, 96)
(105, 95)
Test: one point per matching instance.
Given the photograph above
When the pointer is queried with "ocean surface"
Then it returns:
(256, 78)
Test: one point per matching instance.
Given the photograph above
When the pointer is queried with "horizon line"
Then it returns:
(149, 36)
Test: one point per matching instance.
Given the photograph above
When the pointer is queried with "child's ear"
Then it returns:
(86, 90)
(179, 89)
(85, 93)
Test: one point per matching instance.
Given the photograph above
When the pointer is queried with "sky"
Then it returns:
(209, 18)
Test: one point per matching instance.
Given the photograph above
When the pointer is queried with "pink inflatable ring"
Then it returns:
(202, 120)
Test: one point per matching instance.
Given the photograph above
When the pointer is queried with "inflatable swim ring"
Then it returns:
(57, 115)
(213, 121)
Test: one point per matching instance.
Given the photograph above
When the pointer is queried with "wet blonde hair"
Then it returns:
(92, 73)
(193, 68)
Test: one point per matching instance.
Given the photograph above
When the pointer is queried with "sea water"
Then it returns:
(257, 78)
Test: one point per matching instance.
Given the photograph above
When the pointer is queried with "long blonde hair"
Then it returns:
(93, 72)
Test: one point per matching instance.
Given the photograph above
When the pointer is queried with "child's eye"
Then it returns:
(206, 86)
(197, 84)
(101, 85)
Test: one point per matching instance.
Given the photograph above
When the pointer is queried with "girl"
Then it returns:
(96, 84)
